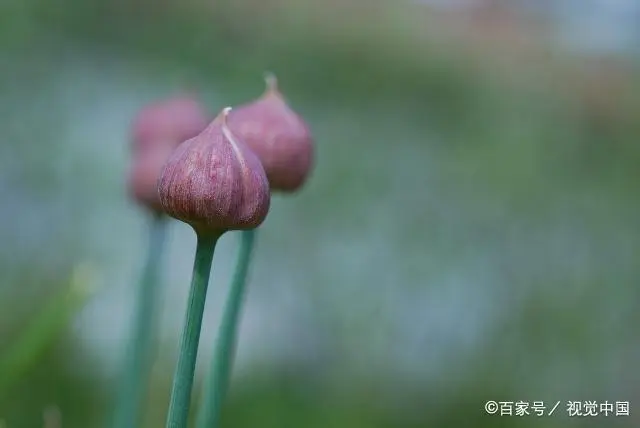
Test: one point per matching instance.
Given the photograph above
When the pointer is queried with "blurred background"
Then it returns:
(470, 232)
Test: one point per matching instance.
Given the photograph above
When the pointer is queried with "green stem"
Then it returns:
(222, 362)
(183, 378)
(143, 340)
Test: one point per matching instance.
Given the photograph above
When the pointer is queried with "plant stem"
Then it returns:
(183, 378)
(222, 362)
(143, 340)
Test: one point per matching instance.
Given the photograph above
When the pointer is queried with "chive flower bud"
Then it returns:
(214, 182)
(156, 131)
(277, 135)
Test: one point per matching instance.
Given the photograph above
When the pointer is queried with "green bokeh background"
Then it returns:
(470, 232)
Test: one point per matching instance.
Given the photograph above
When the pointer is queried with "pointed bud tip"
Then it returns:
(225, 115)
(271, 81)
(224, 125)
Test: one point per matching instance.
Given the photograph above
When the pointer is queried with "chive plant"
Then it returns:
(156, 131)
(283, 144)
(214, 183)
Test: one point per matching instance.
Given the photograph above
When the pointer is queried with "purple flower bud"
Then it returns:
(214, 182)
(173, 121)
(156, 131)
(278, 136)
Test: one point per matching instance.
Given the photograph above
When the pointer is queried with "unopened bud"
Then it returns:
(214, 182)
(277, 135)
(156, 132)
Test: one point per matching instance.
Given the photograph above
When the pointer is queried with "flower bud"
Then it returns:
(214, 182)
(277, 135)
(144, 173)
(156, 131)
(171, 121)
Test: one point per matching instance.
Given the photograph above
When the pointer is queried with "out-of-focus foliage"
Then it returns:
(470, 232)
(25, 350)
